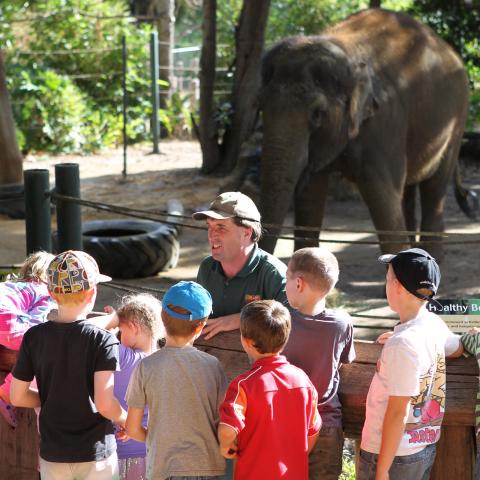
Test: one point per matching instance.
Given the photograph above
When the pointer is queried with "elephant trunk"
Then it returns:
(283, 160)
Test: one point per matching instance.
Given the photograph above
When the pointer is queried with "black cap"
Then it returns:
(415, 269)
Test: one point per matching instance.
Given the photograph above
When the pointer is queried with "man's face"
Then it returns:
(226, 239)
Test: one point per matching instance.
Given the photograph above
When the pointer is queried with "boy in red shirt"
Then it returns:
(269, 420)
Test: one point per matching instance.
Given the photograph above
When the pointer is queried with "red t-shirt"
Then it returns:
(273, 409)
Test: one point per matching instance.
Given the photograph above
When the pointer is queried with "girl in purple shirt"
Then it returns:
(140, 328)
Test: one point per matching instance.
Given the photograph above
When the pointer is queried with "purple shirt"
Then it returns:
(318, 345)
(128, 361)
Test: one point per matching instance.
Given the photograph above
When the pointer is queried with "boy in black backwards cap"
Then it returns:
(406, 399)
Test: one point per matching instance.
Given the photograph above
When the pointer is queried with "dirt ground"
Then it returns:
(174, 173)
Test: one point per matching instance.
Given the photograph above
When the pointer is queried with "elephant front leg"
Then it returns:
(310, 200)
(384, 201)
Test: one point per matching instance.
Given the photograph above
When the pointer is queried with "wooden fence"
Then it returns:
(456, 448)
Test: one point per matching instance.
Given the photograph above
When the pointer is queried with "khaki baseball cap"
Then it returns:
(228, 205)
(73, 271)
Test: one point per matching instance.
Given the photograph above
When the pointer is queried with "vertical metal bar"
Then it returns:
(155, 89)
(69, 220)
(37, 210)
(125, 103)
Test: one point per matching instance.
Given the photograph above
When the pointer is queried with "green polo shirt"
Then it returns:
(262, 278)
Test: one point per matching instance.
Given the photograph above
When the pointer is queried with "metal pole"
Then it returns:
(124, 87)
(37, 210)
(69, 220)
(155, 94)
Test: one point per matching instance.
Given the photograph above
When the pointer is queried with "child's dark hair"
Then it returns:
(267, 323)
(176, 327)
(317, 266)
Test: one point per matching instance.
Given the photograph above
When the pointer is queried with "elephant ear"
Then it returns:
(364, 100)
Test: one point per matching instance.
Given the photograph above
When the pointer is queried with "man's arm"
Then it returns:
(105, 401)
(134, 426)
(221, 324)
(21, 395)
(392, 431)
(227, 437)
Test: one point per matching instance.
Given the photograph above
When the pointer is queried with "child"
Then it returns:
(406, 399)
(140, 327)
(320, 341)
(24, 302)
(73, 362)
(182, 388)
(269, 419)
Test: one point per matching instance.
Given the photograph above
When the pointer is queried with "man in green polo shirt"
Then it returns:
(237, 271)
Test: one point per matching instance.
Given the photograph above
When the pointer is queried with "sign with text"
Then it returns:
(459, 315)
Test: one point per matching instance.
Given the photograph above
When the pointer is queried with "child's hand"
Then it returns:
(383, 338)
(474, 331)
(229, 451)
(121, 433)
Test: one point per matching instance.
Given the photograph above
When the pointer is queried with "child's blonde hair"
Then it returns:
(317, 266)
(143, 310)
(35, 266)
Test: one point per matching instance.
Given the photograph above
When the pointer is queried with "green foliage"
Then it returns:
(66, 39)
(54, 105)
(176, 118)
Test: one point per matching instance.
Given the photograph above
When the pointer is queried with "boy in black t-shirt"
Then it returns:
(73, 362)
(320, 341)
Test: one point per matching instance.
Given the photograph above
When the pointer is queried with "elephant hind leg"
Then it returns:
(432, 197)
(409, 205)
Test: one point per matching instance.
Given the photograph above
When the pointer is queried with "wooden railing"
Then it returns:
(455, 450)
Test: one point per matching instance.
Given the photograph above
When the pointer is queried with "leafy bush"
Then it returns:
(49, 110)
(81, 59)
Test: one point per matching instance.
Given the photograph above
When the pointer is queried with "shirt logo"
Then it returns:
(252, 298)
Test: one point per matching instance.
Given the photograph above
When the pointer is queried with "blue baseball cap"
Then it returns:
(192, 297)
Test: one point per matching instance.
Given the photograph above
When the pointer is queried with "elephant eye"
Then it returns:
(316, 116)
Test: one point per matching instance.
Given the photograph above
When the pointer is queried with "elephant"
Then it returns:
(380, 98)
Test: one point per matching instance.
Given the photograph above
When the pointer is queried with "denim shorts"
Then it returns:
(412, 467)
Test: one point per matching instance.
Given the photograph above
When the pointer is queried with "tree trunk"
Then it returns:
(375, 3)
(164, 11)
(11, 168)
(208, 131)
(249, 47)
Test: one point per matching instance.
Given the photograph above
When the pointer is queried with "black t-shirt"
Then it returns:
(63, 357)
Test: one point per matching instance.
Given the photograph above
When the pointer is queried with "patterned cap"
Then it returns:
(73, 272)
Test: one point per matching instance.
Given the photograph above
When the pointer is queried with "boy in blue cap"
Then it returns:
(182, 388)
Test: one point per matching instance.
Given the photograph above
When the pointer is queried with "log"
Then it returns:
(455, 450)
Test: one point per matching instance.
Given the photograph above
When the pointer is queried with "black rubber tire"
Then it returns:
(131, 248)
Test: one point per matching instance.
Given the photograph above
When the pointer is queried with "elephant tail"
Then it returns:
(467, 199)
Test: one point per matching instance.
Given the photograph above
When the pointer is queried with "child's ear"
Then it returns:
(200, 327)
(300, 283)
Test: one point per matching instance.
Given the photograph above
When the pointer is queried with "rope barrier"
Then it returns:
(152, 215)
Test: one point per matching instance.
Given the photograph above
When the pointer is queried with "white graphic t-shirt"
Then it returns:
(412, 364)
